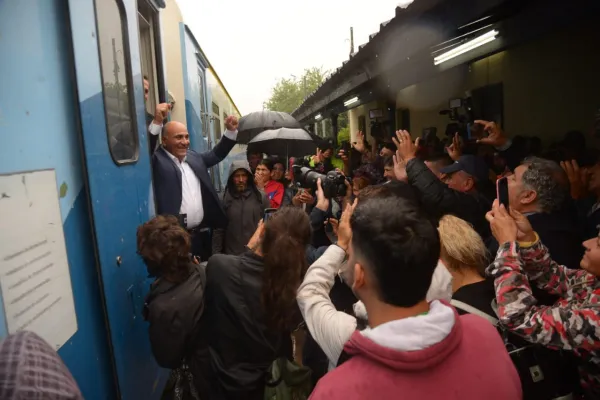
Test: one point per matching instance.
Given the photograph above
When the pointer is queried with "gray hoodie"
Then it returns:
(244, 210)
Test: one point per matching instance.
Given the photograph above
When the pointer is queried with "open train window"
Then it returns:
(117, 85)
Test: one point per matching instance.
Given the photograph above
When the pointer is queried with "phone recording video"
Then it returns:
(269, 213)
(502, 191)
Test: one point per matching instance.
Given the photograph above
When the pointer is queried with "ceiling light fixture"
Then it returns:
(351, 101)
(465, 47)
(318, 117)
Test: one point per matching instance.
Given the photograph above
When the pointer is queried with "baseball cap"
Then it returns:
(472, 165)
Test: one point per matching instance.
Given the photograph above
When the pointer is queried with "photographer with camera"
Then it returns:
(459, 195)
(335, 186)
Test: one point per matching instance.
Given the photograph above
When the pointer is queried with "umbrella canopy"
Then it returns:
(283, 141)
(254, 123)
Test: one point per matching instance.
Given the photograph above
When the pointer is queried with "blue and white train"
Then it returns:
(74, 150)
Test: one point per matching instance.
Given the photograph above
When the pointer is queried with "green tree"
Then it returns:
(289, 93)
(343, 136)
(343, 120)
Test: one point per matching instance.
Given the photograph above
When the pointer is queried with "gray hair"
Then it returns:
(549, 181)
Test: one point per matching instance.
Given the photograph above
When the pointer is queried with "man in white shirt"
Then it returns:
(183, 187)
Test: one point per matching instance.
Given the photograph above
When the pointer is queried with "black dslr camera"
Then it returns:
(333, 183)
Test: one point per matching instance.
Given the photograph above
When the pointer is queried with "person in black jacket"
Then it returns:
(459, 196)
(182, 185)
(174, 304)
(251, 307)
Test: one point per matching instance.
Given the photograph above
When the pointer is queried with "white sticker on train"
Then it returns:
(34, 271)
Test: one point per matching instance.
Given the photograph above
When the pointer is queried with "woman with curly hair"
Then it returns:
(174, 305)
(251, 307)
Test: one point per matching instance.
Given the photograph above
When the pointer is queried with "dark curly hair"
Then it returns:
(165, 248)
(287, 233)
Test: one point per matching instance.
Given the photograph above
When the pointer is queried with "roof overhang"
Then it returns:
(401, 53)
(158, 3)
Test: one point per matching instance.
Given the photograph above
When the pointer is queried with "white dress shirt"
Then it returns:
(191, 192)
(154, 128)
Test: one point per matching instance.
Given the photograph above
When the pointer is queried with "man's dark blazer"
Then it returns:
(167, 182)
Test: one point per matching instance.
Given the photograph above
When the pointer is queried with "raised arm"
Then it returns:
(220, 151)
(562, 326)
(549, 275)
(330, 328)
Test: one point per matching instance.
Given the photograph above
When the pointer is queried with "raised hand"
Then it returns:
(496, 136)
(578, 178)
(344, 232)
(231, 123)
(322, 201)
(525, 231)
(455, 149)
(503, 225)
(359, 145)
(318, 158)
(161, 113)
(400, 167)
(257, 236)
(407, 150)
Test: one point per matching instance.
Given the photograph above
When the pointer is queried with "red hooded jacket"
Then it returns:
(471, 363)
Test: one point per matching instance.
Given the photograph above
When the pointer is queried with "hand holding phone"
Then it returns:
(502, 191)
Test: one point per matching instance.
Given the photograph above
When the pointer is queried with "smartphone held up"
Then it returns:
(502, 191)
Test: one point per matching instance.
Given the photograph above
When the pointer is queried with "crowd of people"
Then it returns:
(416, 282)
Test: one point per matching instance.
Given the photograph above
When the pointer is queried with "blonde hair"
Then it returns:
(462, 247)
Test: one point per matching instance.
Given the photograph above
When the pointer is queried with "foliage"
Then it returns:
(343, 120)
(289, 93)
(343, 135)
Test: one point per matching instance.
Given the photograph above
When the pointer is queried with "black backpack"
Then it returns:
(545, 374)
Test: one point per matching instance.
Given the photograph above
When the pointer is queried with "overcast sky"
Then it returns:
(253, 44)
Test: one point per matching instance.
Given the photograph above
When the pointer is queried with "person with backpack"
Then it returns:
(174, 304)
(244, 205)
(573, 322)
(412, 348)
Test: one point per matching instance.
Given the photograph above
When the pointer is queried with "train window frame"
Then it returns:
(204, 116)
(124, 31)
(218, 129)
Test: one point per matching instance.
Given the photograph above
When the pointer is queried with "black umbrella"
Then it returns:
(257, 122)
(283, 141)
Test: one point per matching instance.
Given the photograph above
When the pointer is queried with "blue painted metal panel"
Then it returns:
(39, 131)
(120, 198)
(193, 90)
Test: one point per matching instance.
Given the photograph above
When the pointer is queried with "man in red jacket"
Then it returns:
(412, 349)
